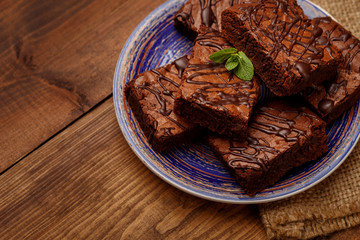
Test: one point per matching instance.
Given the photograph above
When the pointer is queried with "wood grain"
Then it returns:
(86, 183)
(57, 60)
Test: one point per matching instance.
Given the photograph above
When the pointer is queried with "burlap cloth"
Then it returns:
(334, 204)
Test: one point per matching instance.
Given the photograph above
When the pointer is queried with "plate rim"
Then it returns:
(169, 180)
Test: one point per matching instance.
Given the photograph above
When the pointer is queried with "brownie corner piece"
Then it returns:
(281, 136)
(196, 13)
(213, 97)
(151, 96)
(332, 98)
(288, 50)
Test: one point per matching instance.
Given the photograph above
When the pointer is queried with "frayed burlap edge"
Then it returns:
(330, 206)
(305, 229)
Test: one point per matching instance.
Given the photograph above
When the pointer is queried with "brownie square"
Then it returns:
(213, 97)
(195, 13)
(282, 135)
(331, 99)
(289, 52)
(151, 96)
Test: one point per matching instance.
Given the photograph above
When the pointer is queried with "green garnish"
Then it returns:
(237, 62)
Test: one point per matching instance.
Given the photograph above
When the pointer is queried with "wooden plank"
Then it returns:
(86, 183)
(57, 61)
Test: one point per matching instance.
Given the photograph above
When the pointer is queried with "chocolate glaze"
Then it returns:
(270, 124)
(350, 48)
(161, 100)
(165, 91)
(283, 132)
(326, 106)
(295, 30)
(241, 97)
(186, 17)
(207, 38)
(259, 145)
(208, 17)
(289, 136)
(180, 65)
(334, 87)
(209, 13)
(339, 36)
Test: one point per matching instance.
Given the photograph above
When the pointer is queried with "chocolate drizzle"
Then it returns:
(326, 105)
(350, 48)
(186, 17)
(208, 17)
(334, 87)
(161, 93)
(268, 120)
(180, 65)
(203, 12)
(291, 35)
(213, 39)
(238, 92)
(275, 129)
(344, 40)
(165, 91)
(243, 159)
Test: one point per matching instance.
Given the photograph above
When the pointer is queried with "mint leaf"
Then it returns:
(245, 68)
(222, 55)
(232, 62)
(237, 62)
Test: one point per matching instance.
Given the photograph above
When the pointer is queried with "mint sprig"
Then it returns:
(237, 62)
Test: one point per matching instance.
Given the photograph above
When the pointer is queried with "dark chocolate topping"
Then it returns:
(326, 106)
(283, 132)
(165, 91)
(285, 33)
(350, 48)
(242, 89)
(279, 126)
(208, 17)
(337, 34)
(208, 39)
(161, 100)
(186, 17)
(181, 64)
(259, 145)
(334, 88)
(160, 94)
(209, 13)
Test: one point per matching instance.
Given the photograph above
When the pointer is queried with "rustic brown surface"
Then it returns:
(57, 61)
(86, 183)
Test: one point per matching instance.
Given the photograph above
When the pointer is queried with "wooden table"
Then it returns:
(66, 170)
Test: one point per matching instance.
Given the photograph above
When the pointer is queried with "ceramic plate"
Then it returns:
(193, 168)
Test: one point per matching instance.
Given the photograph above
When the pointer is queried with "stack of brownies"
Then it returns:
(310, 65)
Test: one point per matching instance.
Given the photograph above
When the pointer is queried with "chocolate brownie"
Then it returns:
(195, 13)
(334, 97)
(208, 42)
(282, 135)
(286, 48)
(213, 97)
(151, 97)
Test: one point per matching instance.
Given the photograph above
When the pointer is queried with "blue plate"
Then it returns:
(193, 168)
